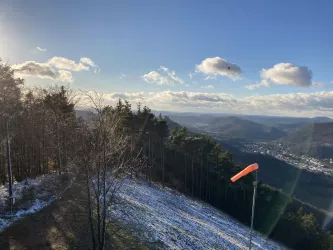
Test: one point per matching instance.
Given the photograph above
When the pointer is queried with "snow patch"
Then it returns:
(42, 187)
(165, 216)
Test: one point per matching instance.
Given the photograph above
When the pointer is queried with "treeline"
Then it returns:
(44, 134)
(40, 125)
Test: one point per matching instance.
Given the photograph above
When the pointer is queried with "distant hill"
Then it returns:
(235, 127)
(84, 114)
(314, 140)
(194, 120)
(285, 123)
(171, 124)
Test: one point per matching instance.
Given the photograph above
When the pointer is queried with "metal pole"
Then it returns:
(10, 176)
(253, 206)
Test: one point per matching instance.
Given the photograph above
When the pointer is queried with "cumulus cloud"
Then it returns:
(258, 85)
(88, 61)
(41, 70)
(287, 74)
(64, 63)
(56, 68)
(164, 68)
(40, 49)
(298, 104)
(65, 76)
(32, 68)
(167, 78)
(155, 77)
(218, 66)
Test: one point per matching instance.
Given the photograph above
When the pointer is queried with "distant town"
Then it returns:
(281, 152)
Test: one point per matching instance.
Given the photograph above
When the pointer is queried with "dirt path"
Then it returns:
(61, 225)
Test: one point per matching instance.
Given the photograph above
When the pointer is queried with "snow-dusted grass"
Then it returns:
(163, 215)
(41, 192)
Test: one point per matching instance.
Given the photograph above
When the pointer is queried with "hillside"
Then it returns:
(313, 140)
(192, 120)
(284, 123)
(235, 127)
(164, 216)
(171, 124)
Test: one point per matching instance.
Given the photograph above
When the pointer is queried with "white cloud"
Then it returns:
(190, 75)
(64, 63)
(318, 84)
(296, 104)
(40, 49)
(41, 70)
(56, 68)
(168, 78)
(65, 76)
(207, 87)
(32, 68)
(122, 76)
(88, 61)
(302, 103)
(258, 85)
(164, 68)
(210, 78)
(128, 96)
(155, 77)
(194, 100)
(218, 66)
(112, 98)
(287, 74)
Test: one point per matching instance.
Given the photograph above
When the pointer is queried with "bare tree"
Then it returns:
(107, 158)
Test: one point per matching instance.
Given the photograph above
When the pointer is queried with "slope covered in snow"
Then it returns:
(174, 221)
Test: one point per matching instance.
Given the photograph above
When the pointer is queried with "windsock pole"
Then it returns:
(253, 206)
(251, 168)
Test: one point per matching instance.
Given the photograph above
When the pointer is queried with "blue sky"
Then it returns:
(134, 38)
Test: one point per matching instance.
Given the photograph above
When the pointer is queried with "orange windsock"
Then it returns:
(245, 171)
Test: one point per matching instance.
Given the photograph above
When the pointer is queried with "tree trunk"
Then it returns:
(226, 193)
(192, 178)
(185, 174)
(58, 146)
(10, 176)
(90, 209)
(162, 162)
(201, 163)
(104, 203)
(207, 179)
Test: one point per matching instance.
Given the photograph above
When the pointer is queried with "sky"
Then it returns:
(247, 57)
